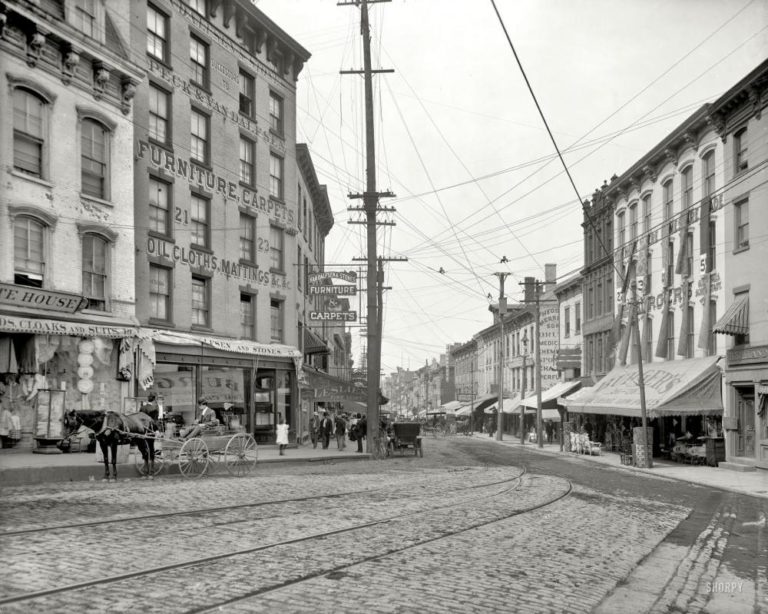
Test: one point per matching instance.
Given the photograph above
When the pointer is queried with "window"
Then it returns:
(741, 339)
(198, 216)
(690, 334)
(609, 294)
(577, 317)
(276, 113)
(157, 28)
(247, 238)
(741, 223)
(84, 15)
(622, 230)
(647, 213)
(671, 336)
(247, 89)
(275, 176)
(298, 201)
(94, 158)
(686, 180)
(668, 203)
(247, 316)
(200, 301)
(198, 53)
(590, 303)
(567, 322)
(298, 267)
(199, 137)
(648, 333)
(633, 222)
(159, 292)
(670, 272)
(599, 303)
(689, 254)
(309, 221)
(247, 148)
(28, 252)
(29, 128)
(159, 206)
(95, 271)
(711, 340)
(708, 172)
(276, 248)
(304, 200)
(740, 150)
(158, 114)
(198, 6)
(276, 320)
(712, 245)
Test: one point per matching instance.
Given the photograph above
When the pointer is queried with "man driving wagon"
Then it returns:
(205, 422)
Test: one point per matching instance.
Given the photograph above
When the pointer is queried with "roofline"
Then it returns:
(276, 30)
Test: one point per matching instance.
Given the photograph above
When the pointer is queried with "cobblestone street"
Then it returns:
(454, 531)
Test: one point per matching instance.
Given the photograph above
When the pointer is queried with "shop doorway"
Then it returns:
(272, 399)
(745, 413)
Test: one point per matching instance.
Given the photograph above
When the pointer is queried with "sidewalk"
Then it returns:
(753, 483)
(23, 467)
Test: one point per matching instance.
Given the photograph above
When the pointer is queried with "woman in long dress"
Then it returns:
(282, 435)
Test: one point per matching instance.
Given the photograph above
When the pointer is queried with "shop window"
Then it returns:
(94, 159)
(247, 238)
(30, 124)
(198, 54)
(157, 37)
(201, 301)
(95, 268)
(276, 320)
(159, 206)
(159, 114)
(275, 176)
(284, 389)
(276, 248)
(199, 131)
(224, 389)
(199, 216)
(178, 386)
(276, 113)
(29, 236)
(247, 316)
(247, 93)
(159, 292)
(247, 157)
(741, 224)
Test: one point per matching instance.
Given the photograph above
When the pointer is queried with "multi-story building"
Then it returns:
(569, 352)
(464, 358)
(67, 308)
(739, 117)
(217, 209)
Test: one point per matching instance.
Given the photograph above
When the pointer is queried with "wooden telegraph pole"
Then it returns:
(370, 208)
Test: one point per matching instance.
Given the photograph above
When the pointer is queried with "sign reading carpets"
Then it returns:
(336, 309)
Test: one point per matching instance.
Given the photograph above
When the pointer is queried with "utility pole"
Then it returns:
(502, 313)
(648, 461)
(370, 208)
(524, 341)
(538, 366)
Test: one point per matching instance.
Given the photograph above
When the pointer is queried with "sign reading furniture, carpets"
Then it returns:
(335, 309)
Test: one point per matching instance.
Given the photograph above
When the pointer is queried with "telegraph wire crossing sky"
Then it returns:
(460, 142)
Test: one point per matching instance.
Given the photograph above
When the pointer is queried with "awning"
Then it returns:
(485, 401)
(546, 414)
(464, 410)
(735, 320)
(672, 387)
(313, 344)
(549, 397)
(451, 406)
(508, 406)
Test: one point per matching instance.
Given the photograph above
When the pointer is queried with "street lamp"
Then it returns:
(524, 341)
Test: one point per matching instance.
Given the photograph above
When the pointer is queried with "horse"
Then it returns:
(111, 429)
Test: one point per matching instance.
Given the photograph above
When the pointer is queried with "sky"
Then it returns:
(461, 144)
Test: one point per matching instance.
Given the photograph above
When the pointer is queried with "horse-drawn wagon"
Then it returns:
(406, 435)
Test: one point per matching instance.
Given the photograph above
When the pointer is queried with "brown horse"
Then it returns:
(112, 429)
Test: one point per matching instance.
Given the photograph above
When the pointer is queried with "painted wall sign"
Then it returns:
(336, 290)
(214, 264)
(198, 175)
(24, 296)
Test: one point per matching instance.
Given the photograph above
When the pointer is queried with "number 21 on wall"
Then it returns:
(181, 216)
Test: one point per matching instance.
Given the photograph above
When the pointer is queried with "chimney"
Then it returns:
(529, 284)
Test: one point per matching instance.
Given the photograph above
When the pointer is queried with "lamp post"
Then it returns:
(502, 313)
(524, 341)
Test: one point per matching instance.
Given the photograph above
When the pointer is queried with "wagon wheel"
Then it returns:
(159, 462)
(241, 455)
(193, 458)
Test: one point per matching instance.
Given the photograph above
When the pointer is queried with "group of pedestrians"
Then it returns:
(341, 425)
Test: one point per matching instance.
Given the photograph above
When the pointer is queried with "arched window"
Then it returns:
(708, 173)
(28, 252)
(95, 271)
(94, 158)
(30, 118)
(622, 229)
(669, 203)
(633, 222)
(686, 179)
(647, 213)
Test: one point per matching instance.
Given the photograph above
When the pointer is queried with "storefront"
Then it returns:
(323, 392)
(683, 399)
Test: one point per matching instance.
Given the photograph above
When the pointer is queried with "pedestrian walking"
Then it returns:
(340, 432)
(282, 435)
(314, 429)
(326, 428)
(360, 429)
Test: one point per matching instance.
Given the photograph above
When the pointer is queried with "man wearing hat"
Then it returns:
(207, 416)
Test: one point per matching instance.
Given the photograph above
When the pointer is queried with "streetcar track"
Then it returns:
(306, 538)
(209, 510)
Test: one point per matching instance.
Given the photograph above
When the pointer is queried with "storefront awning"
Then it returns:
(735, 320)
(672, 387)
(510, 405)
(546, 414)
(240, 346)
(313, 344)
(549, 398)
(451, 406)
(485, 401)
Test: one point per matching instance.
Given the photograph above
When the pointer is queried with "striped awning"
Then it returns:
(313, 344)
(735, 321)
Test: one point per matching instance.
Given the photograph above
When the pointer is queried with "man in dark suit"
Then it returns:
(326, 428)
